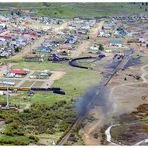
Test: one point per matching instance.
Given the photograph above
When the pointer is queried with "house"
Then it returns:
(104, 34)
(41, 75)
(32, 58)
(116, 34)
(5, 54)
(116, 42)
(71, 40)
(101, 33)
(18, 72)
(7, 82)
(44, 49)
(94, 48)
(82, 31)
(142, 40)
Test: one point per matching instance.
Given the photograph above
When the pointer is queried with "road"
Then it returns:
(109, 137)
(81, 48)
(94, 32)
(85, 44)
(144, 73)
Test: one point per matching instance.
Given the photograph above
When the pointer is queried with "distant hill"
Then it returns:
(80, 9)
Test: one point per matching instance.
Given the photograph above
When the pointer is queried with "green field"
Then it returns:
(80, 9)
(15, 99)
(75, 82)
(27, 84)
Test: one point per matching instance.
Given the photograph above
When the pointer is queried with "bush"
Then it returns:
(34, 138)
(21, 142)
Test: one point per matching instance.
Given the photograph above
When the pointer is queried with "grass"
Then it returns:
(144, 60)
(79, 9)
(27, 84)
(146, 68)
(145, 119)
(115, 48)
(89, 10)
(40, 66)
(15, 99)
(49, 138)
(46, 98)
(14, 139)
(38, 84)
(75, 82)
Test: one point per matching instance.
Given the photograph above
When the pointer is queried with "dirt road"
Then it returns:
(94, 32)
(85, 44)
(144, 73)
(93, 127)
(81, 48)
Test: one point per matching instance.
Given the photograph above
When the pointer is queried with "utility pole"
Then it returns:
(7, 99)
(7, 95)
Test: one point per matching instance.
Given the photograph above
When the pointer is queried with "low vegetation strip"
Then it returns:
(39, 119)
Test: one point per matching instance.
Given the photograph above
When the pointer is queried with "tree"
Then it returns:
(101, 48)
(17, 49)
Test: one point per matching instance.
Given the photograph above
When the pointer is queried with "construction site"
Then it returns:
(73, 81)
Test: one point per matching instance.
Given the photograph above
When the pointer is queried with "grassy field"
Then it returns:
(79, 9)
(15, 99)
(14, 139)
(75, 82)
(40, 66)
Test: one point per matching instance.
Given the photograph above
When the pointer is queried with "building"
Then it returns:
(116, 42)
(18, 72)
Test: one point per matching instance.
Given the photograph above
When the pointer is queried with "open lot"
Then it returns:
(37, 83)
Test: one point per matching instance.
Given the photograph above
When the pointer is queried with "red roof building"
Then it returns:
(18, 71)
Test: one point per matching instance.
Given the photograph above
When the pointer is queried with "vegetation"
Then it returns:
(128, 133)
(74, 82)
(101, 48)
(80, 9)
(39, 119)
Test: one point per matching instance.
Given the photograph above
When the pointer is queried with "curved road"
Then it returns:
(109, 137)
